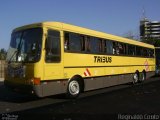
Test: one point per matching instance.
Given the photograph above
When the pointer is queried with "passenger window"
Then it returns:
(116, 48)
(122, 48)
(145, 52)
(109, 47)
(72, 42)
(66, 41)
(82, 39)
(102, 45)
(94, 45)
(53, 51)
(138, 51)
(87, 44)
(131, 50)
(151, 53)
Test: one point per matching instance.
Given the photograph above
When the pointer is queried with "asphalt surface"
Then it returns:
(118, 102)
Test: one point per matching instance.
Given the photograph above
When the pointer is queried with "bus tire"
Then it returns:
(73, 88)
(136, 77)
(143, 76)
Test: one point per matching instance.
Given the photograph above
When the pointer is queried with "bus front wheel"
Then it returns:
(73, 88)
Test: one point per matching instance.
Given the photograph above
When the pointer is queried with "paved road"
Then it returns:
(142, 100)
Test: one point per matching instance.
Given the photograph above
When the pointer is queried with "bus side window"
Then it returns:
(82, 39)
(53, 51)
(94, 46)
(122, 48)
(109, 47)
(74, 42)
(66, 41)
(116, 49)
(87, 44)
(145, 52)
(151, 52)
(138, 51)
(131, 50)
(100, 45)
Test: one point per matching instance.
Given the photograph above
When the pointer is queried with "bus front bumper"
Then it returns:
(24, 88)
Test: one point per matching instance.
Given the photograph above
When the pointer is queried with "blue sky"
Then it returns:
(111, 16)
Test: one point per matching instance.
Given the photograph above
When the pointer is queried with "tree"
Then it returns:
(3, 54)
(131, 35)
(152, 41)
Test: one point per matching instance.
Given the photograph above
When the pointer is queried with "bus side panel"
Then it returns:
(150, 74)
(48, 88)
(58, 87)
(106, 81)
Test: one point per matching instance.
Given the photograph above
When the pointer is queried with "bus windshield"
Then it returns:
(25, 46)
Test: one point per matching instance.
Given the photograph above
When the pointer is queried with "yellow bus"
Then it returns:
(51, 58)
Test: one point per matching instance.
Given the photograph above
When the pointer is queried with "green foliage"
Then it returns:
(152, 41)
(3, 54)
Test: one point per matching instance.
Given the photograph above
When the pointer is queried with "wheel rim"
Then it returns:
(135, 78)
(74, 87)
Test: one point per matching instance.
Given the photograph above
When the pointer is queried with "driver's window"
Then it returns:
(53, 51)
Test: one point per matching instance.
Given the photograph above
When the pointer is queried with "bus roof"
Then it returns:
(86, 31)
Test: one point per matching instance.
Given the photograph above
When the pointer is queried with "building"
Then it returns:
(149, 29)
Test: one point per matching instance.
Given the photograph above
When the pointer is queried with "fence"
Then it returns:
(2, 68)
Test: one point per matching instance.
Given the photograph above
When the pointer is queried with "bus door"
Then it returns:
(53, 68)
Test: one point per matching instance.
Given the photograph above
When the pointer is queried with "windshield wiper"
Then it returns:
(12, 56)
(17, 51)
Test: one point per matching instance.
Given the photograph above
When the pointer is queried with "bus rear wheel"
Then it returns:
(73, 88)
